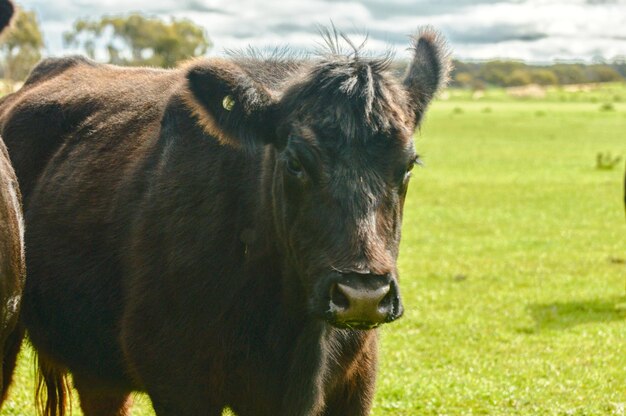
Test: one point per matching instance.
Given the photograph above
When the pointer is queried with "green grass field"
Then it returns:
(513, 265)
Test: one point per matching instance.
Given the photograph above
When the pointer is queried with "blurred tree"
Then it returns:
(463, 79)
(544, 76)
(21, 45)
(477, 75)
(140, 40)
(518, 78)
(499, 72)
(603, 73)
(514, 73)
(619, 65)
(493, 76)
(570, 73)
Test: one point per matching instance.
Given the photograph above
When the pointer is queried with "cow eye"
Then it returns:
(417, 160)
(294, 166)
(407, 174)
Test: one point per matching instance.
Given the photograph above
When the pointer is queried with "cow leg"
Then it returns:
(95, 401)
(9, 359)
(176, 387)
(195, 406)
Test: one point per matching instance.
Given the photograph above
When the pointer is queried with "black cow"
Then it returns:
(222, 234)
(11, 252)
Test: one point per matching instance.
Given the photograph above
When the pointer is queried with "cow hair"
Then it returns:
(6, 13)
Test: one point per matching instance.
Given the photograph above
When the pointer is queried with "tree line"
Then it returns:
(137, 39)
(479, 75)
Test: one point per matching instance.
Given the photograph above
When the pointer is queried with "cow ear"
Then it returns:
(229, 104)
(428, 71)
(6, 12)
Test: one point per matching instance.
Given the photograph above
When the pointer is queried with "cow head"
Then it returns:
(340, 132)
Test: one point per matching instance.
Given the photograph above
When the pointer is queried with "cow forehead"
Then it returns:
(359, 148)
(352, 168)
(353, 99)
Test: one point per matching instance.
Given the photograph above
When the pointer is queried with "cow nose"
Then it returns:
(364, 301)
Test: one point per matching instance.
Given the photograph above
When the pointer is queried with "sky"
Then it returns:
(539, 31)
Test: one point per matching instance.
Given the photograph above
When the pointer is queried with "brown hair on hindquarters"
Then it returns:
(12, 270)
(6, 13)
(11, 262)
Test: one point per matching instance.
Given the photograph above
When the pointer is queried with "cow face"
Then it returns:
(343, 154)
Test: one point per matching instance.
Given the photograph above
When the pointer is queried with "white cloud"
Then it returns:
(536, 30)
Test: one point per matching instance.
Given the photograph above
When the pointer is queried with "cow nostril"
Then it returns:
(338, 298)
(386, 303)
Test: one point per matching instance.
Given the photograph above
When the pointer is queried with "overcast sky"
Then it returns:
(533, 30)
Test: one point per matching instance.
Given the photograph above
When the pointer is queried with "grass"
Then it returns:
(513, 266)
(606, 93)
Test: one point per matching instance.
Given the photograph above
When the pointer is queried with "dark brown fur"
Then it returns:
(186, 249)
(11, 252)
(11, 268)
(6, 13)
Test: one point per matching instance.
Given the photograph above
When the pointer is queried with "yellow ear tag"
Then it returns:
(228, 103)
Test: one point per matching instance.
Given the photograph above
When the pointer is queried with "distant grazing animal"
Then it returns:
(11, 253)
(221, 234)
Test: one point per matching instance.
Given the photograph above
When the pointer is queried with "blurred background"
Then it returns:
(545, 42)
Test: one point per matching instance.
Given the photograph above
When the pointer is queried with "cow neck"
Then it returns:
(265, 252)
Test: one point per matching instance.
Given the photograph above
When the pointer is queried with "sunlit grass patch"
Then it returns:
(512, 267)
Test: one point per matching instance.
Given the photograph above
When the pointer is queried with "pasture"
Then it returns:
(513, 264)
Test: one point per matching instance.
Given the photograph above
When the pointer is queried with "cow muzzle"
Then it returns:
(363, 301)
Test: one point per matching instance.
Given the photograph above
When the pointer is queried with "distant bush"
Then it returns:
(544, 77)
(606, 161)
(570, 73)
(603, 73)
(463, 79)
(607, 107)
(518, 78)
